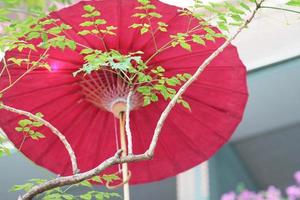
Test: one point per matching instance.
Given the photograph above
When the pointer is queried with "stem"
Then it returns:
(128, 131)
(52, 128)
(124, 154)
(282, 9)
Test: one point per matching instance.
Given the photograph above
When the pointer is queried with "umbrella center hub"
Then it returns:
(107, 91)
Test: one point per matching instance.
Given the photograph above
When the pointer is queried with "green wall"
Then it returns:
(226, 172)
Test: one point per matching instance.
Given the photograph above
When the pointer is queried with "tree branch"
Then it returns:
(127, 126)
(52, 128)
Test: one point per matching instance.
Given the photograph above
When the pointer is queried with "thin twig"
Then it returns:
(127, 126)
(52, 128)
(282, 9)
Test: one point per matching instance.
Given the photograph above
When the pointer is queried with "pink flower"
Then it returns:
(228, 196)
(247, 195)
(293, 192)
(273, 193)
(297, 177)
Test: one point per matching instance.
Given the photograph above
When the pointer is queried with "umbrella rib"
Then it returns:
(220, 88)
(221, 110)
(187, 139)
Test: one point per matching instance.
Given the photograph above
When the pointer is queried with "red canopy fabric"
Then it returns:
(217, 99)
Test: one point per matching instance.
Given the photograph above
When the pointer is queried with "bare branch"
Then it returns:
(184, 87)
(127, 126)
(52, 128)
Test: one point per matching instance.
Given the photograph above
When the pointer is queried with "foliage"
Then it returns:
(272, 193)
(63, 194)
(294, 3)
(28, 127)
(4, 150)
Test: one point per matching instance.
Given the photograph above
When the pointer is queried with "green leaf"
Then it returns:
(87, 23)
(39, 114)
(85, 183)
(294, 3)
(144, 30)
(245, 6)
(185, 45)
(136, 25)
(71, 44)
(97, 179)
(33, 35)
(19, 129)
(55, 30)
(111, 177)
(185, 104)
(89, 8)
(147, 101)
(39, 135)
(84, 32)
(86, 51)
(25, 122)
(172, 81)
(197, 39)
(145, 90)
(154, 14)
(100, 21)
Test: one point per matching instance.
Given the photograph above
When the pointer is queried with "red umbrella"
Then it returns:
(188, 138)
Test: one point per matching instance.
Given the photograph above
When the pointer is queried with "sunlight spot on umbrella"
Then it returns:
(54, 67)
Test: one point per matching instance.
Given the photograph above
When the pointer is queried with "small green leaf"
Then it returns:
(89, 8)
(197, 39)
(85, 183)
(144, 30)
(84, 32)
(19, 129)
(87, 23)
(100, 21)
(185, 45)
(154, 14)
(186, 105)
(294, 3)
(25, 122)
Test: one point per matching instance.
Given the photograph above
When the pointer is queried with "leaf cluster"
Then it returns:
(28, 127)
(146, 12)
(94, 21)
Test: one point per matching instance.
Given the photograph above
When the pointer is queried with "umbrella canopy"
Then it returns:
(188, 138)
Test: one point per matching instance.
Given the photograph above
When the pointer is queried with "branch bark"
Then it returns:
(127, 125)
(52, 128)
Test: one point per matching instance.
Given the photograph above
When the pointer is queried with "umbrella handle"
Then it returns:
(112, 187)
